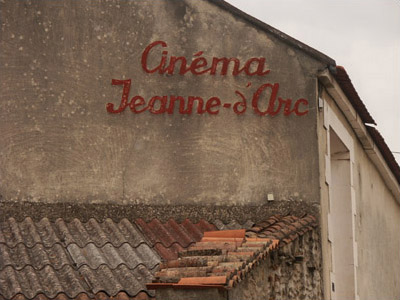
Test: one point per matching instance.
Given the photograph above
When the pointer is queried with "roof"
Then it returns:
(100, 260)
(345, 83)
(64, 260)
(275, 32)
(223, 258)
(348, 88)
(385, 151)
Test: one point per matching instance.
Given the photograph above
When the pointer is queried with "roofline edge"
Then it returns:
(277, 33)
(369, 144)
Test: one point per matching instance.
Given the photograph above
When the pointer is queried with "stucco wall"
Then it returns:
(376, 223)
(59, 143)
(377, 233)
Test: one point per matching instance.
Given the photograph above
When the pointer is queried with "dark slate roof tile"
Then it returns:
(84, 296)
(38, 256)
(28, 232)
(10, 233)
(51, 258)
(99, 233)
(94, 256)
(49, 281)
(141, 255)
(113, 281)
(87, 260)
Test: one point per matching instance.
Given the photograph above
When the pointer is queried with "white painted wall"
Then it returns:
(372, 217)
(341, 221)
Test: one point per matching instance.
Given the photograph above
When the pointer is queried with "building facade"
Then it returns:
(159, 110)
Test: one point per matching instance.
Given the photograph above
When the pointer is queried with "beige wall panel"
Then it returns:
(59, 144)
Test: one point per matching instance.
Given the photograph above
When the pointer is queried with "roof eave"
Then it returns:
(369, 143)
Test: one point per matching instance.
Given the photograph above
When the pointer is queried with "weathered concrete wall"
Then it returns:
(59, 143)
(281, 277)
(376, 222)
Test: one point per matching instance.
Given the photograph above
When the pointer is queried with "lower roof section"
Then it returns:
(78, 260)
(223, 258)
(71, 258)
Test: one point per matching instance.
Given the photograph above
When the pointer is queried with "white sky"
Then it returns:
(361, 35)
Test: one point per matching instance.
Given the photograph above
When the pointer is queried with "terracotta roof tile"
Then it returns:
(238, 234)
(171, 232)
(226, 257)
(168, 253)
(210, 280)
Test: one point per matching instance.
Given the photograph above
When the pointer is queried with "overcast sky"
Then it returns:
(361, 35)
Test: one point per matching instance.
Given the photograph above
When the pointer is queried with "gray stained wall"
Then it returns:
(59, 143)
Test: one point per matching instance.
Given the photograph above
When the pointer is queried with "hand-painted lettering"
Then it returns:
(265, 96)
(264, 101)
(200, 65)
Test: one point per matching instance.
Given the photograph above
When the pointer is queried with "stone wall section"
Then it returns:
(293, 272)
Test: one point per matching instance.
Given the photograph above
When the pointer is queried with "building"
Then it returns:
(163, 142)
